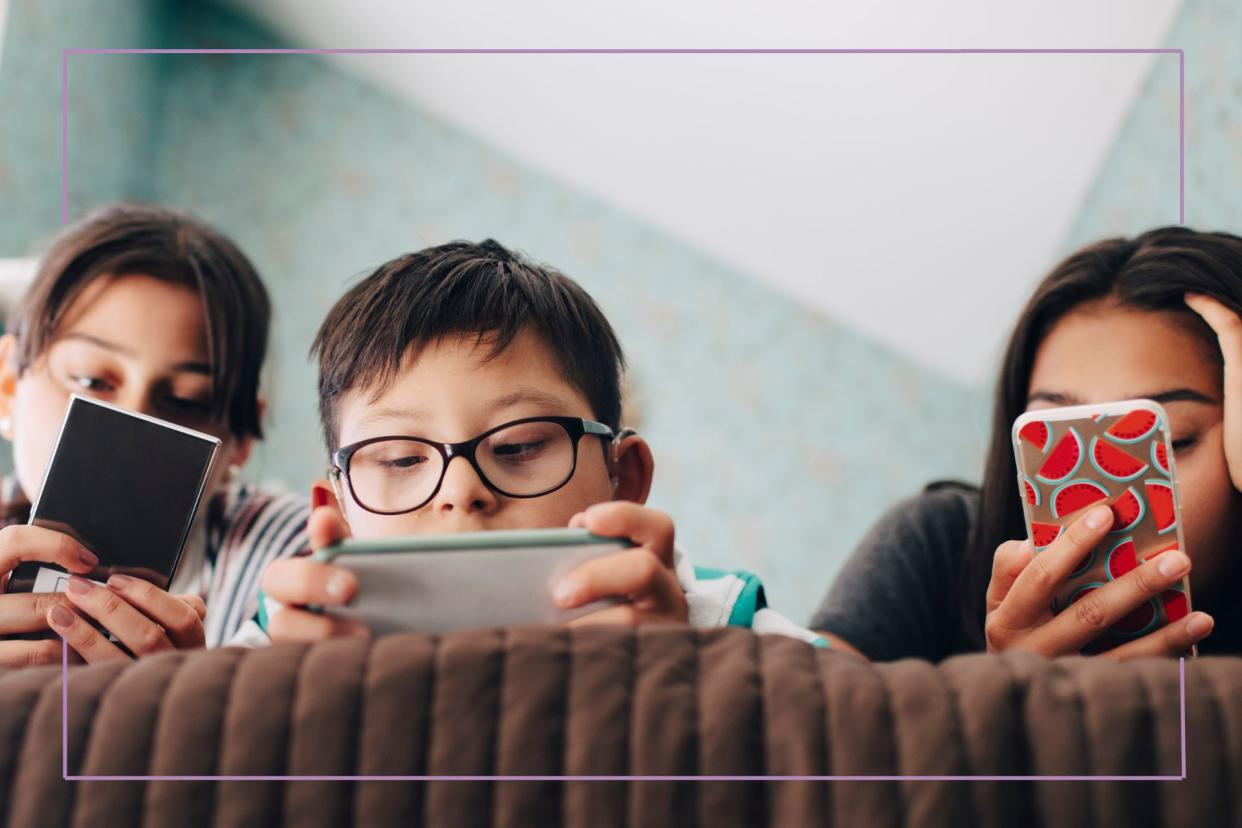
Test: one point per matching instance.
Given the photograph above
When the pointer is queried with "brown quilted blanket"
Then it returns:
(605, 701)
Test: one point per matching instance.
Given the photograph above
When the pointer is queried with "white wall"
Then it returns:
(4, 16)
(915, 198)
(15, 275)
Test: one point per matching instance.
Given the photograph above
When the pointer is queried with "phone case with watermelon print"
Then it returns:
(1119, 453)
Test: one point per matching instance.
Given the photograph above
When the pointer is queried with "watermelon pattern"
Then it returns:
(1160, 458)
(1160, 496)
(1043, 534)
(1121, 559)
(1064, 460)
(1038, 433)
(1128, 511)
(1139, 621)
(1114, 463)
(1075, 496)
(1033, 495)
(1124, 461)
(1176, 605)
(1136, 426)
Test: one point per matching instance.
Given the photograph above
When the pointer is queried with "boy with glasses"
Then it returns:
(463, 388)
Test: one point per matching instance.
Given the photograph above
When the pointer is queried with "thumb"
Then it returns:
(327, 526)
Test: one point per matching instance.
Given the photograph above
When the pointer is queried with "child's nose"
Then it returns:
(137, 399)
(462, 489)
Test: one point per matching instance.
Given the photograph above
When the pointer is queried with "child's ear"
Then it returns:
(325, 493)
(633, 468)
(8, 384)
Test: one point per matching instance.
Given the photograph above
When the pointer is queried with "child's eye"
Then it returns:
(403, 462)
(1184, 443)
(91, 383)
(519, 451)
(190, 405)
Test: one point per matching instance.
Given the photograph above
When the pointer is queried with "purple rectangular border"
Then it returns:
(64, 210)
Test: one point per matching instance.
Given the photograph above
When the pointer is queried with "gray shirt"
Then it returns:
(898, 596)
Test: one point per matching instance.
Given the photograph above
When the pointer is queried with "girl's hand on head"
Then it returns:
(26, 612)
(296, 582)
(643, 575)
(1020, 596)
(1228, 328)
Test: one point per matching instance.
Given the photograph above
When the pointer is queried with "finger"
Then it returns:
(35, 543)
(1007, 564)
(621, 519)
(303, 581)
(634, 574)
(292, 624)
(181, 621)
(1087, 618)
(1227, 326)
(140, 634)
(622, 615)
(195, 602)
(326, 527)
(1032, 591)
(22, 612)
(81, 637)
(18, 654)
(1170, 640)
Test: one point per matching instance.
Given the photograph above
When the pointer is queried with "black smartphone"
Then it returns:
(124, 485)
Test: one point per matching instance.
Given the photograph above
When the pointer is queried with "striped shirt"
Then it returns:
(239, 531)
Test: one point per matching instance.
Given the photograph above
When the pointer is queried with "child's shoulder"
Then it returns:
(246, 514)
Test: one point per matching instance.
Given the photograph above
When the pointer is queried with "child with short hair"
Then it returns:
(469, 352)
(154, 311)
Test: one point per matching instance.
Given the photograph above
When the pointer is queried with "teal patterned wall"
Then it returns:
(111, 104)
(779, 434)
(1137, 187)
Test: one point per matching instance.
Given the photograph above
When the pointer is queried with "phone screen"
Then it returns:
(126, 486)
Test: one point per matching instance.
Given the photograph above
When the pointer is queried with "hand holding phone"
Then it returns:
(612, 585)
(117, 501)
(23, 616)
(1104, 567)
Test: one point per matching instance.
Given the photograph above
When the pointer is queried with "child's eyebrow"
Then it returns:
(522, 396)
(531, 396)
(180, 368)
(1170, 396)
(383, 414)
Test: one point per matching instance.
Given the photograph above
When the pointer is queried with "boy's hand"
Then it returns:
(296, 582)
(642, 575)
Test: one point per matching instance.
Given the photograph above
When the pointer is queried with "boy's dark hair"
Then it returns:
(460, 288)
(165, 244)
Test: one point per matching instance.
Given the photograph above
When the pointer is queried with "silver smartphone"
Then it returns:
(437, 583)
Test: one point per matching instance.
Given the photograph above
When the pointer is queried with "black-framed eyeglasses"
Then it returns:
(524, 458)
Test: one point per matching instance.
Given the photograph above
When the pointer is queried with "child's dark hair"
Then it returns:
(1150, 272)
(165, 244)
(462, 288)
